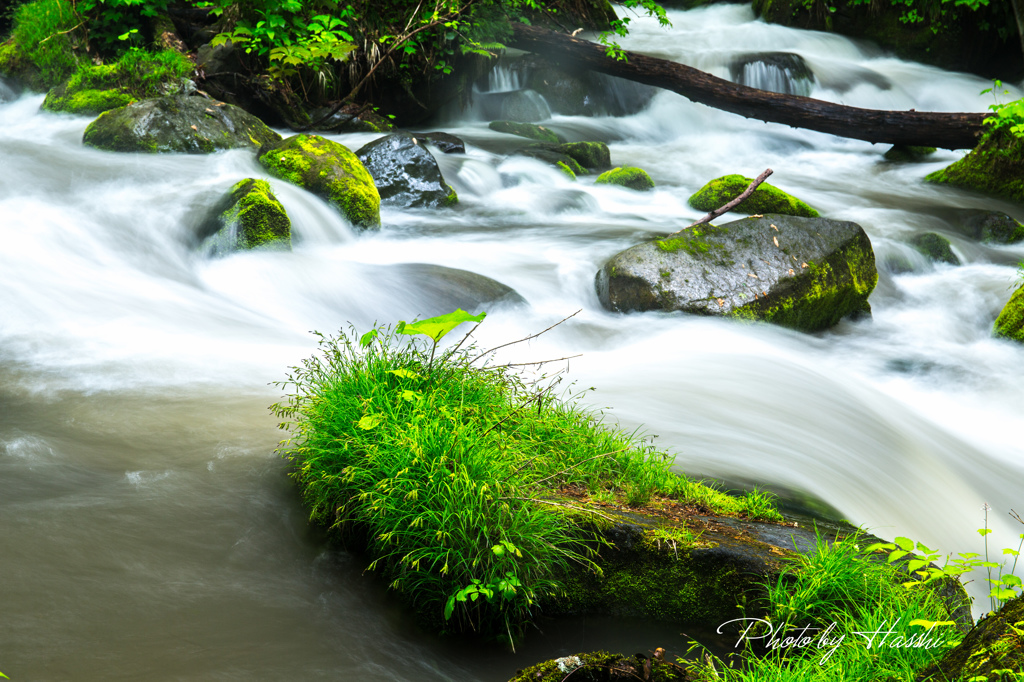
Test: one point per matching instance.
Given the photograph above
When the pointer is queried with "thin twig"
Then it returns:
(538, 362)
(732, 204)
(532, 336)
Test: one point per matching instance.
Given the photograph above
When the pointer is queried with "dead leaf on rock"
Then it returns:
(775, 228)
(750, 274)
(721, 302)
(194, 128)
(791, 271)
(803, 265)
(776, 240)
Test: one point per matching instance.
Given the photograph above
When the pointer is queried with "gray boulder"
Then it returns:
(193, 125)
(802, 273)
(406, 174)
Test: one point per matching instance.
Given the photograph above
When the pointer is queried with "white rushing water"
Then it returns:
(148, 530)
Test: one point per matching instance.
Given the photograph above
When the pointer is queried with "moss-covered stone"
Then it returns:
(590, 155)
(994, 167)
(765, 199)
(257, 217)
(565, 169)
(601, 666)
(936, 247)
(192, 125)
(329, 170)
(908, 153)
(993, 650)
(627, 176)
(530, 130)
(993, 227)
(1010, 323)
(549, 154)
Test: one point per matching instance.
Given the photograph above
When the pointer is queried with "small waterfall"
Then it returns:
(781, 72)
(503, 78)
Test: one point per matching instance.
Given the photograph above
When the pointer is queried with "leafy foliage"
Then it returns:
(1009, 115)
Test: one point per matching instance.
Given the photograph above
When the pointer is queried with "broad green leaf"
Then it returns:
(367, 338)
(369, 421)
(879, 546)
(498, 550)
(896, 554)
(916, 564)
(411, 396)
(449, 607)
(1011, 552)
(437, 327)
(1002, 594)
(984, 531)
(906, 544)
(405, 373)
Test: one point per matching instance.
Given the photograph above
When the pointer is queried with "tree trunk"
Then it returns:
(911, 128)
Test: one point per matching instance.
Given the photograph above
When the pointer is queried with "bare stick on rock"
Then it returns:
(735, 202)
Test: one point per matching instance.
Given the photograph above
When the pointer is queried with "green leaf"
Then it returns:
(928, 624)
(405, 373)
(437, 327)
(1011, 552)
(906, 544)
(369, 421)
(367, 338)
(498, 550)
(984, 531)
(895, 555)
(916, 564)
(880, 546)
(449, 607)
(1002, 594)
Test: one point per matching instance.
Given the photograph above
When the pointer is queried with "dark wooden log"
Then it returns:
(911, 128)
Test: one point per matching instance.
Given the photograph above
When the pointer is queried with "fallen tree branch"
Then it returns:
(911, 128)
(735, 202)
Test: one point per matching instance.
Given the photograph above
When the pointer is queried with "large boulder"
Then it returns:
(193, 125)
(765, 199)
(248, 216)
(406, 174)
(329, 170)
(994, 167)
(1010, 323)
(802, 273)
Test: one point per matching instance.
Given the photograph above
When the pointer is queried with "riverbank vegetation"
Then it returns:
(453, 471)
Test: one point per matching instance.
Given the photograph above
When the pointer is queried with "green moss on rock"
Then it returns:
(1010, 323)
(993, 227)
(593, 155)
(765, 199)
(530, 130)
(993, 650)
(329, 170)
(908, 153)
(600, 666)
(994, 167)
(260, 218)
(565, 169)
(936, 247)
(627, 176)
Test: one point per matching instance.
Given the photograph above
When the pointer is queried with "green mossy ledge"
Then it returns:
(191, 125)
(529, 130)
(92, 90)
(329, 170)
(801, 273)
(1010, 323)
(765, 199)
(994, 167)
(627, 176)
(249, 216)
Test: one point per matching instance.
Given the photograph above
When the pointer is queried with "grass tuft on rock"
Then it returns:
(450, 471)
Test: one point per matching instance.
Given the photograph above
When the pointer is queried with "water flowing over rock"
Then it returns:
(329, 170)
(534, 132)
(249, 216)
(802, 273)
(406, 174)
(783, 72)
(935, 247)
(1010, 323)
(8, 92)
(446, 142)
(193, 125)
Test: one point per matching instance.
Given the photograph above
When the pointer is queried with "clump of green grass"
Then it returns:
(837, 586)
(42, 34)
(450, 469)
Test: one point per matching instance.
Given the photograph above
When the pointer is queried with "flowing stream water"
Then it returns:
(148, 530)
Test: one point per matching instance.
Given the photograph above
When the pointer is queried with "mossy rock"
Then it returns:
(994, 167)
(765, 199)
(192, 125)
(549, 154)
(249, 216)
(89, 101)
(590, 155)
(601, 666)
(329, 170)
(565, 169)
(1010, 323)
(530, 130)
(936, 247)
(627, 176)
(995, 644)
(993, 227)
(908, 153)
(801, 273)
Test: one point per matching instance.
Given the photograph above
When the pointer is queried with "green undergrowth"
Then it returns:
(859, 619)
(41, 49)
(450, 470)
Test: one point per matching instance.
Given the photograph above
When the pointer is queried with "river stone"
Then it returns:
(994, 227)
(995, 644)
(329, 170)
(628, 176)
(782, 72)
(908, 153)
(935, 247)
(994, 167)
(765, 199)
(446, 142)
(449, 288)
(406, 174)
(248, 216)
(534, 132)
(524, 106)
(1010, 323)
(802, 273)
(194, 125)
(549, 153)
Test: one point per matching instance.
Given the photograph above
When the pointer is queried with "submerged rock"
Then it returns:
(994, 167)
(193, 125)
(579, 157)
(936, 247)
(782, 72)
(329, 170)
(993, 227)
(908, 153)
(406, 174)
(449, 288)
(627, 176)
(534, 132)
(802, 273)
(1010, 323)
(765, 199)
(249, 216)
